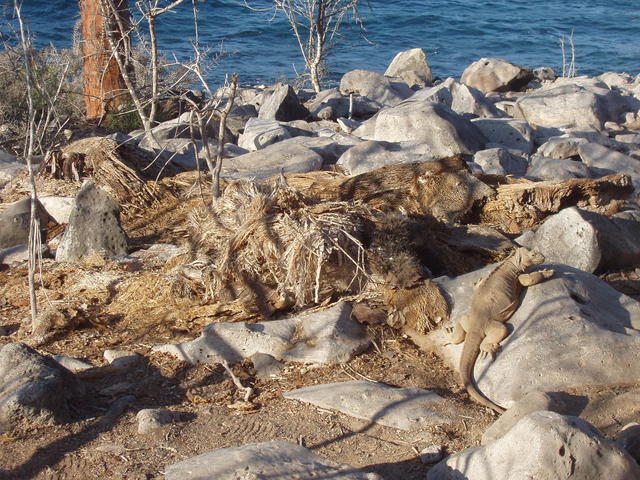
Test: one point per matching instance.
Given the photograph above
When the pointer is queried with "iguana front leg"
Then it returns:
(533, 278)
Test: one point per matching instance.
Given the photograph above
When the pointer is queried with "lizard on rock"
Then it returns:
(495, 300)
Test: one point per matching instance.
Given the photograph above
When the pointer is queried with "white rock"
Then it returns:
(499, 161)
(58, 207)
(563, 104)
(543, 445)
(509, 132)
(411, 66)
(544, 168)
(435, 124)
(406, 408)
(570, 331)
(325, 337)
(374, 86)
(282, 156)
(604, 161)
(257, 461)
(370, 155)
(495, 75)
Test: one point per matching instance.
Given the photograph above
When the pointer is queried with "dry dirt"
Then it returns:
(102, 441)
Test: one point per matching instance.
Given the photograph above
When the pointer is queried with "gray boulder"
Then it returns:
(508, 132)
(268, 460)
(462, 99)
(557, 321)
(33, 387)
(10, 168)
(14, 223)
(331, 105)
(543, 445)
(407, 408)
(578, 104)
(604, 161)
(326, 337)
(532, 402)
(188, 154)
(94, 226)
(374, 86)
(545, 168)
(587, 240)
(370, 155)
(283, 105)
(259, 134)
(561, 147)
(411, 67)
(629, 440)
(472, 102)
(184, 126)
(285, 156)
(435, 124)
(496, 75)
(500, 161)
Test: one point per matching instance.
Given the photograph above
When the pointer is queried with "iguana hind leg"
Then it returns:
(533, 278)
(495, 332)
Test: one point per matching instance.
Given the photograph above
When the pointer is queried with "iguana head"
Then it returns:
(525, 258)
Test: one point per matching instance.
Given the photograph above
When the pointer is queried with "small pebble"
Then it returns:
(432, 454)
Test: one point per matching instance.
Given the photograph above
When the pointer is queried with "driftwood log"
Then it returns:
(525, 204)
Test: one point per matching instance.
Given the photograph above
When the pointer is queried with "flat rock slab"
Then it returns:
(570, 331)
(543, 445)
(268, 460)
(407, 408)
(325, 337)
(272, 160)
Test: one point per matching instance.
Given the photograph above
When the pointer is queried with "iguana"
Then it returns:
(495, 300)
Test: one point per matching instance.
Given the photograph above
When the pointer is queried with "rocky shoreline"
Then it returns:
(365, 209)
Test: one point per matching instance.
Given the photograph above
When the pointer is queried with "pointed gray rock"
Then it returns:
(283, 105)
(268, 461)
(406, 408)
(33, 387)
(411, 67)
(94, 226)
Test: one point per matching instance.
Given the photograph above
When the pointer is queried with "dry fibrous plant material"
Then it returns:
(125, 172)
(526, 204)
(270, 235)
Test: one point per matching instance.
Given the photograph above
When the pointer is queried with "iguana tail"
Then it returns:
(470, 352)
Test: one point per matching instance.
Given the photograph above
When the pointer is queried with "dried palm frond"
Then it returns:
(271, 234)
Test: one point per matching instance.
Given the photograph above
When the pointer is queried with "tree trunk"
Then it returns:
(104, 87)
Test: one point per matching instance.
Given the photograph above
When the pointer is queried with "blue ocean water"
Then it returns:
(453, 33)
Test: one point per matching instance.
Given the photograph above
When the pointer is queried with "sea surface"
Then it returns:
(260, 47)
